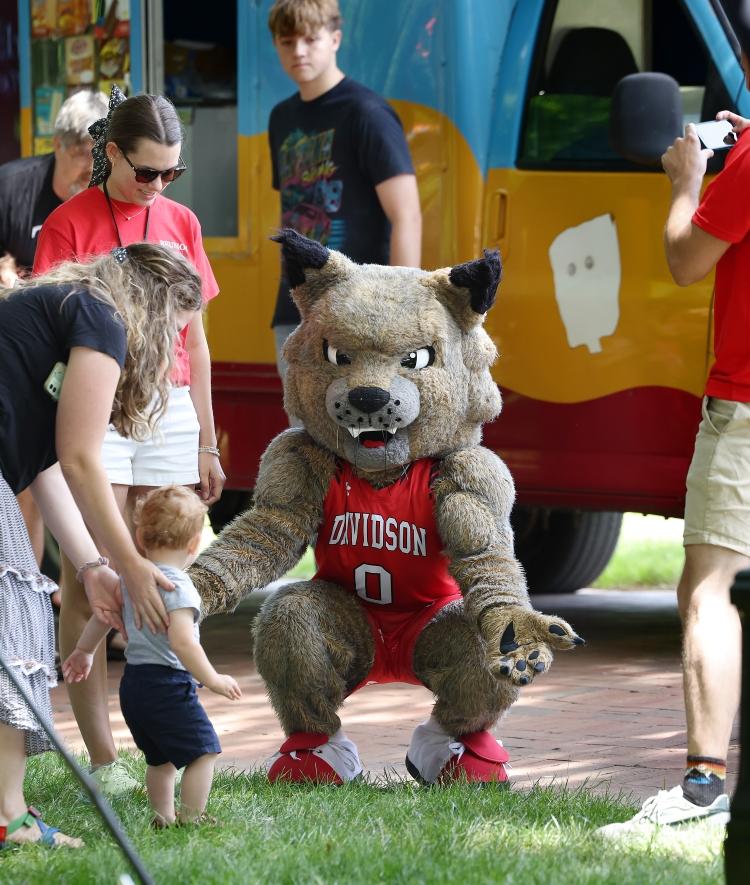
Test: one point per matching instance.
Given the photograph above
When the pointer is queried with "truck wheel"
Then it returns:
(563, 550)
(231, 503)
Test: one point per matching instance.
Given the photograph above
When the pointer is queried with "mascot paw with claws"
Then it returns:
(389, 372)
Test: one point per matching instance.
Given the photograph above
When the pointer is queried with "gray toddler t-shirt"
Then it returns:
(145, 647)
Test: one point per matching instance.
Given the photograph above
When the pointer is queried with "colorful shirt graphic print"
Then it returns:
(310, 194)
(328, 155)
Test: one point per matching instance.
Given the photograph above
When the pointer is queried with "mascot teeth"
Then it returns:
(355, 431)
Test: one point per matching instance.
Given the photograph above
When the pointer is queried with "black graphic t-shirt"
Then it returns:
(38, 327)
(26, 199)
(328, 155)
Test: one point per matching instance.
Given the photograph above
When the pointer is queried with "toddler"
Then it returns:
(158, 691)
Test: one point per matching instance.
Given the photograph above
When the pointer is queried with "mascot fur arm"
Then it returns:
(262, 544)
(474, 494)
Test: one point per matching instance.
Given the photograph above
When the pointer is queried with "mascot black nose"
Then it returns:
(368, 399)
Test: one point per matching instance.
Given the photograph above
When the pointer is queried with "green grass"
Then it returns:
(397, 833)
(648, 554)
(643, 564)
(305, 568)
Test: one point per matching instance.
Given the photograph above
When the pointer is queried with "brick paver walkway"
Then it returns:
(610, 714)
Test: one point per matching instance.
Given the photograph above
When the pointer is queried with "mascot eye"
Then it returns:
(334, 356)
(419, 359)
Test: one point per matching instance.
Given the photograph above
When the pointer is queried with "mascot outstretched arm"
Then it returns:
(417, 581)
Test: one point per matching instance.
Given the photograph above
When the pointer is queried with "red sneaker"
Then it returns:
(481, 762)
(297, 762)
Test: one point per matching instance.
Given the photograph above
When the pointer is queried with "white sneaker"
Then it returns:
(667, 808)
(114, 779)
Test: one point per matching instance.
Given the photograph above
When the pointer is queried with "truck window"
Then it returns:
(584, 48)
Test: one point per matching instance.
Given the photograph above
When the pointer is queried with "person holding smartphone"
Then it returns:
(137, 153)
(702, 234)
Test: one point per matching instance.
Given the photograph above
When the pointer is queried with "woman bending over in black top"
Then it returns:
(83, 347)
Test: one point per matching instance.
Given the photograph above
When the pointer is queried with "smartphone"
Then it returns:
(53, 384)
(716, 134)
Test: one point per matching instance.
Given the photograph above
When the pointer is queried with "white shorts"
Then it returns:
(169, 455)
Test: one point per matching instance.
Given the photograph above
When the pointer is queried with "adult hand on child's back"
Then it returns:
(102, 586)
(225, 685)
(141, 578)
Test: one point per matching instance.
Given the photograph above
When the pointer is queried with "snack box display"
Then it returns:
(73, 16)
(80, 60)
(47, 103)
(43, 17)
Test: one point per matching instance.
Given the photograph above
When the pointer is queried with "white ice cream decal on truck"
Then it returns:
(586, 268)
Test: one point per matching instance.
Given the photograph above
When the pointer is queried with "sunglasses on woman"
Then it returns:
(145, 175)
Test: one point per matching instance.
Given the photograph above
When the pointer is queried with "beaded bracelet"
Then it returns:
(209, 450)
(95, 563)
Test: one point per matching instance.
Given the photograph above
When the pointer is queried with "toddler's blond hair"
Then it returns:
(169, 517)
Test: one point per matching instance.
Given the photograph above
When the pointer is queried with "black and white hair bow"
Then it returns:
(98, 131)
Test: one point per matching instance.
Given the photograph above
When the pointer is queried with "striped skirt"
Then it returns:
(27, 633)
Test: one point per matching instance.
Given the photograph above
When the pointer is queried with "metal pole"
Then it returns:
(737, 842)
(102, 806)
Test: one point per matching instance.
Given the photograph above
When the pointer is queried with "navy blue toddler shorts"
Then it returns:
(165, 717)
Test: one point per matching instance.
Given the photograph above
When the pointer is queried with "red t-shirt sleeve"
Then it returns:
(720, 213)
(202, 264)
(53, 247)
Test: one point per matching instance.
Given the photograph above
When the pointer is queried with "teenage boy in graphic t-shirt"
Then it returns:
(339, 156)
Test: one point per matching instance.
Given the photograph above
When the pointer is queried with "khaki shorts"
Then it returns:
(717, 507)
(169, 456)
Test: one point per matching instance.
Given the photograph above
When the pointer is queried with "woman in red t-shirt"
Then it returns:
(136, 155)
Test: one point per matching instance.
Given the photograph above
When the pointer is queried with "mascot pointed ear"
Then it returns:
(481, 278)
(310, 268)
(300, 254)
(468, 290)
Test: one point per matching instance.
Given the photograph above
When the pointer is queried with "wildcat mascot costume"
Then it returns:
(389, 371)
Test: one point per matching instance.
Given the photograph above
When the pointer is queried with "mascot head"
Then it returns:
(389, 364)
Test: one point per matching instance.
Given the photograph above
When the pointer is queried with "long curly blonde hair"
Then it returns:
(147, 288)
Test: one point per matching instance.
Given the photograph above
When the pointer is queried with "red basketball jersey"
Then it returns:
(383, 544)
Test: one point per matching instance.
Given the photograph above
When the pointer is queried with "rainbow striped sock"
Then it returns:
(705, 779)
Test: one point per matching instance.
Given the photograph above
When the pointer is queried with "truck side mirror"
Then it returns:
(645, 117)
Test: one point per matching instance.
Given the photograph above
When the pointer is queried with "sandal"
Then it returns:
(31, 817)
